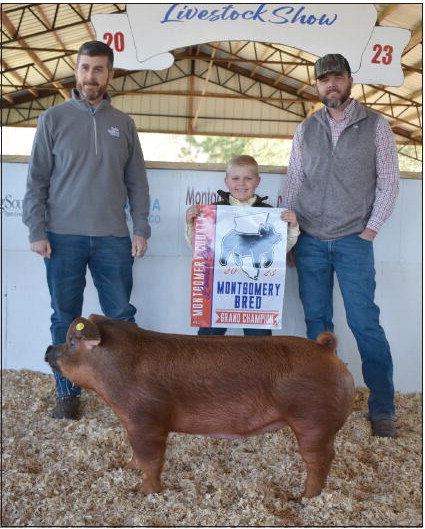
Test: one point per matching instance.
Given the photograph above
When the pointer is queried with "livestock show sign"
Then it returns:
(238, 267)
(144, 36)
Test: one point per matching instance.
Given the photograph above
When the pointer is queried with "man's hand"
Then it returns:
(42, 247)
(139, 246)
(368, 234)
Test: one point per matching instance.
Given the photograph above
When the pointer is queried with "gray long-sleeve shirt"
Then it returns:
(83, 167)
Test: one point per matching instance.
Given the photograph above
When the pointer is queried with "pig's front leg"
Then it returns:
(148, 456)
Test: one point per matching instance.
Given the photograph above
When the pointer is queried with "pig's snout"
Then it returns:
(51, 357)
(49, 354)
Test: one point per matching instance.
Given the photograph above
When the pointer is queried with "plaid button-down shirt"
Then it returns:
(387, 170)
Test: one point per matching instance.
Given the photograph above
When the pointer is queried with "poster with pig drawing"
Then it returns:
(238, 267)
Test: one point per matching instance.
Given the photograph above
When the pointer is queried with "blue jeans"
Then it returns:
(111, 265)
(351, 258)
(220, 331)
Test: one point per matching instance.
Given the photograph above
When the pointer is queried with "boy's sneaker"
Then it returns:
(384, 428)
(67, 408)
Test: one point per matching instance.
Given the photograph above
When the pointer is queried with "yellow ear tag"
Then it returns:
(79, 326)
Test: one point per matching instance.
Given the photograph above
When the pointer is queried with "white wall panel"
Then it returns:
(161, 279)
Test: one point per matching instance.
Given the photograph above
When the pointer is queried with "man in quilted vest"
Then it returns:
(343, 180)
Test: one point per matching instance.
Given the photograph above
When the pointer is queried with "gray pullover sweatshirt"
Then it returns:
(83, 167)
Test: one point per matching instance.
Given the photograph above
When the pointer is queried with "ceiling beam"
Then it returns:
(386, 12)
(415, 39)
(7, 23)
(262, 78)
(20, 80)
(57, 38)
(203, 91)
(58, 26)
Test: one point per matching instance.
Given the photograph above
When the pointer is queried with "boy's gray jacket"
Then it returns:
(83, 167)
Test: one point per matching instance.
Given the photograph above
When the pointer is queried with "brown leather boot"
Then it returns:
(67, 408)
(383, 428)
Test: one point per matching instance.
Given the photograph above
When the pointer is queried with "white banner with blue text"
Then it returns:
(238, 267)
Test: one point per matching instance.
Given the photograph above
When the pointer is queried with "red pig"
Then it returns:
(220, 386)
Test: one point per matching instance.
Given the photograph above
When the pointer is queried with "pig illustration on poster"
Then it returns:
(251, 243)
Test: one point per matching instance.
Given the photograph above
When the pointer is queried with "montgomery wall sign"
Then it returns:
(143, 37)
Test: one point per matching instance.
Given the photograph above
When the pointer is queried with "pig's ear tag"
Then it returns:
(79, 326)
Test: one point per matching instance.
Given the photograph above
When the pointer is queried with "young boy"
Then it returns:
(242, 179)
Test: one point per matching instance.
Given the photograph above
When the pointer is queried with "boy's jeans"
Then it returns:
(110, 262)
(352, 259)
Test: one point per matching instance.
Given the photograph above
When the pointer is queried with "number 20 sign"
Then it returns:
(115, 40)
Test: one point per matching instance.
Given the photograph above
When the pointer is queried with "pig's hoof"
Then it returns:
(133, 464)
(151, 489)
(312, 494)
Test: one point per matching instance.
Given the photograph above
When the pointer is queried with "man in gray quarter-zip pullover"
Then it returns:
(85, 164)
(343, 181)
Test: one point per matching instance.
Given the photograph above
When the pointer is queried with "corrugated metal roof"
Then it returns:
(231, 88)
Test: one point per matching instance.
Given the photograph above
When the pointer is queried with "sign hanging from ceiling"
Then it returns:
(143, 37)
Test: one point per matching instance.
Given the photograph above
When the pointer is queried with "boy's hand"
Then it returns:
(192, 213)
(290, 217)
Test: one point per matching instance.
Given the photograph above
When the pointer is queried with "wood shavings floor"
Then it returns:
(68, 473)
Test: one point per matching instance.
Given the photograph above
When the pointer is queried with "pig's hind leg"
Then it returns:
(148, 456)
(317, 450)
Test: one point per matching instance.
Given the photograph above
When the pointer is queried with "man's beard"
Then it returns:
(94, 92)
(336, 103)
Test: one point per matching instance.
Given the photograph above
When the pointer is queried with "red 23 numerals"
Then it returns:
(384, 54)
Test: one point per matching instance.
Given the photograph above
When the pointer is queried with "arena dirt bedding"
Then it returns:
(69, 473)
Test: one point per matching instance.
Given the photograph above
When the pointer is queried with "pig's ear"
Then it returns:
(91, 343)
(83, 329)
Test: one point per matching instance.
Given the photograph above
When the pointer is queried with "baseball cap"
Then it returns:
(333, 62)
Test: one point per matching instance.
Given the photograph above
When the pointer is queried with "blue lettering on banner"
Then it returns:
(287, 14)
(154, 218)
(246, 288)
(247, 302)
(247, 295)
(300, 17)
